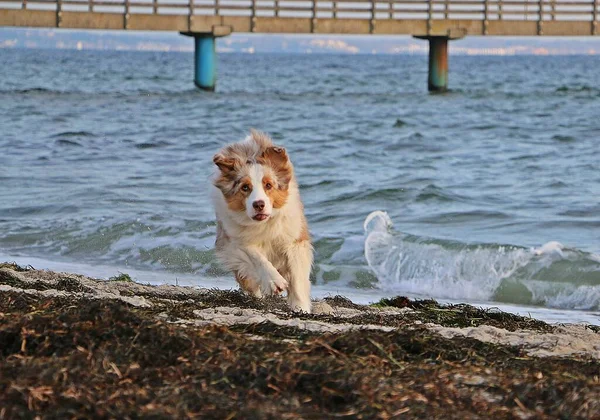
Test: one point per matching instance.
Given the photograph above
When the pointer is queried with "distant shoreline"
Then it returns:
(301, 44)
(319, 53)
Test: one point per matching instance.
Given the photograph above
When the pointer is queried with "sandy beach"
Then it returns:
(73, 346)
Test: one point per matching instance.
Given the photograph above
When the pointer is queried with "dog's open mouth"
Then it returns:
(261, 216)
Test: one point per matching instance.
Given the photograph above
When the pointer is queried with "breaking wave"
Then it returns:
(552, 275)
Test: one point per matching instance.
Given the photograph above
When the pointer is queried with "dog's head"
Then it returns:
(254, 176)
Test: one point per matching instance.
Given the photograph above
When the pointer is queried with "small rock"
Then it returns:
(321, 307)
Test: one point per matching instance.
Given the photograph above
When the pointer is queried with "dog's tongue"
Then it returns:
(261, 217)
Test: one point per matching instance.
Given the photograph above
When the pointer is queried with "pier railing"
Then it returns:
(416, 17)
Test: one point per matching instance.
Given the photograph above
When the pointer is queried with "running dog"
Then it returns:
(262, 233)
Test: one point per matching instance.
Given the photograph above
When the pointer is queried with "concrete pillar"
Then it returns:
(437, 80)
(205, 55)
(438, 64)
(205, 61)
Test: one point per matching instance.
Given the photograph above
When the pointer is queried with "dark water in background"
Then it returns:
(106, 160)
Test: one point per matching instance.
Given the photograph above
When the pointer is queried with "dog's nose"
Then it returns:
(258, 205)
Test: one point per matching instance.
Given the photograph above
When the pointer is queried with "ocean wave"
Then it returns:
(153, 145)
(173, 247)
(35, 90)
(434, 193)
(68, 143)
(577, 89)
(387, 261)
(70, 134)
(552, 275)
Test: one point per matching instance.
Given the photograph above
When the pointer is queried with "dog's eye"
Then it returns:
(268, 186)
(245, 187)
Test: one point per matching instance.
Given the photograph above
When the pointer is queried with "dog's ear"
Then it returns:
(276, 157)
(225, 164)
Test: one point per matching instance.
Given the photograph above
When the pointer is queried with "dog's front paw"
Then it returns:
(276, 285)
(299, 305)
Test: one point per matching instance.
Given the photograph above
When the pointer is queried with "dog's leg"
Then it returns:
(250, 263)
(248, 285)
(270, 281)
(300, 259)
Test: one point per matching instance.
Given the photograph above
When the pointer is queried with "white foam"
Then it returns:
(100, 271)
(430, 269)
(550, 248)
(564, 295)
(377, 221)
(555, 275)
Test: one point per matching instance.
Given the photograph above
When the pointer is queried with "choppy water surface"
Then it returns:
(491, 191)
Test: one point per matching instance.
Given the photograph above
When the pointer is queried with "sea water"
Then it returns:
(488, 194)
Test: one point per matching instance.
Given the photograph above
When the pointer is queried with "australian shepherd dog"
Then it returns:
(262, 234)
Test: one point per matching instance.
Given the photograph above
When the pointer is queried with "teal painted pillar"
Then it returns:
(205, 62)
(437, 80)
(205, 55)
(438, 64)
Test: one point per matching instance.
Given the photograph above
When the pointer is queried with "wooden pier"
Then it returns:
(435, 20)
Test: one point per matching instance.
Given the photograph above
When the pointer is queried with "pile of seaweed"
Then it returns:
(71, 356)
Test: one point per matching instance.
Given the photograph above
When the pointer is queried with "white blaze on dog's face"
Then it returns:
(258, 204)
(256, 187)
